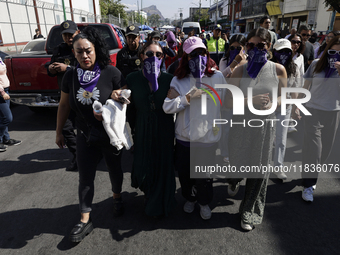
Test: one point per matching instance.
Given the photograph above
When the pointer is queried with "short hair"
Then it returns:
(303, 27)
(264, 18)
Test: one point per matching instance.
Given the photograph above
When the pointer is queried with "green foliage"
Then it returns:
(335, 4)
(113, 7)
(154, 20)
(204, 15)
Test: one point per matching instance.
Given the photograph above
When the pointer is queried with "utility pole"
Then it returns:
(180, 10)
(63, 10)
(216, 11)
(233, 16)
(199, 17)
(141, 10)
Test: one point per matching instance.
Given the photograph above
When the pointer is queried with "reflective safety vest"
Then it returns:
(212, 43)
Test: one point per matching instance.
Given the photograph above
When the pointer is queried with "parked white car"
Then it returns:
(36, 46)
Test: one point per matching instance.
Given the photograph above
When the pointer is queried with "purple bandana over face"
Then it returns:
(232, 55)
(197, 67)
(88, 79)
(282, 57)
(331, 68)
(256, 60)
(152, 68)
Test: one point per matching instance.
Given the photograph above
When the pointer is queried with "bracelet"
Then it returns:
(236, 61)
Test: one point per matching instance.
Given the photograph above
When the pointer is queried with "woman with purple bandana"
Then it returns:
(93, 79)
(283, 54)
(252, 146)
(196, 140)
(234, 57)
(153, 132)
(172, 43)
(322, 80)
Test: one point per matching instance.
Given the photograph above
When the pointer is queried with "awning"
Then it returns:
(273, 8)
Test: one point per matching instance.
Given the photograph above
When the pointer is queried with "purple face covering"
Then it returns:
(88, 79)
(256, 60)
(282, 57)
(232, 55)
(197, 67)
(152, 68)
(331, 68)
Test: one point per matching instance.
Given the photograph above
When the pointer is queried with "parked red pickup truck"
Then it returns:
(30, 83)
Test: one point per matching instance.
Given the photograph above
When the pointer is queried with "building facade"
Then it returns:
(20, 18)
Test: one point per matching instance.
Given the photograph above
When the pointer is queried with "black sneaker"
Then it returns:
(72, 167)
(118, 207)
(2, 147)
(11, 142)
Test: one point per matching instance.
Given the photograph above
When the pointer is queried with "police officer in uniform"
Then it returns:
(61, 61)
(216, 45)
(127, 58)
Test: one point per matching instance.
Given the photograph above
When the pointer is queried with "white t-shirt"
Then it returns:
(299, 61)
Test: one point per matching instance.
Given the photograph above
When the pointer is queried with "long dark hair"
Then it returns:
(324, 45)
(183, 69)
(323, 62)
(301, 49)
(236, 38)
(102, 53)
(290, 65)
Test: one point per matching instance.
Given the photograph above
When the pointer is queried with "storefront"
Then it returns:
(292, 20)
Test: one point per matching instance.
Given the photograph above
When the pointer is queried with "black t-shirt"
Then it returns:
(110, 79)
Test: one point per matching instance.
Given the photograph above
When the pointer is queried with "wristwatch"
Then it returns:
(68, 67)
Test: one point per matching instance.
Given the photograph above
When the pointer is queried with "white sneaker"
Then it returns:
(233, 189)
(307, 194)
(189, 207)
(205, 212)
(246, 226)
(291, 130)
(281, 175)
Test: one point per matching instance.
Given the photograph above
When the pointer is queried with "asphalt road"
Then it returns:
(39, 206)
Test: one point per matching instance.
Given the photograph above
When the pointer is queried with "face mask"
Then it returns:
(256, 60)
(282, 57)
(152, 68)
(233, 54)
(197, 67)
(331, 68)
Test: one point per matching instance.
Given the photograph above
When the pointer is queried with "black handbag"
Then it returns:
(96, 136)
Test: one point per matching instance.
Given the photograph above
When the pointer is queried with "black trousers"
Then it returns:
(88, 157)
(200, 190)
(319, 135)
(68, 133)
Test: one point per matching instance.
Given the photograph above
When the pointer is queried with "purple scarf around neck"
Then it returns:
(88, 79)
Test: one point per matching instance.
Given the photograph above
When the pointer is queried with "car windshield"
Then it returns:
(187, 30)
(35, 45)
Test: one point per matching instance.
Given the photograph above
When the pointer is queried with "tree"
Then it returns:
(154, 20)
(113, 7)
(204, 17)
(333, 3)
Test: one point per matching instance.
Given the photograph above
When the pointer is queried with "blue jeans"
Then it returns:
(6, 118)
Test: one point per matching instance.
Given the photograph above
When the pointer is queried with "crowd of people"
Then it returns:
(169, 77)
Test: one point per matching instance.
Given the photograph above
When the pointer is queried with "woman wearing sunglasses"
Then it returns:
(235, 56)
(318, 51)
(298, 47)
(196, 138)
(322, 79)
(153, 132)
(252, 146)
(283, 54)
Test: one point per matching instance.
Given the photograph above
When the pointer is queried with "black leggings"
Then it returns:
(88, 157)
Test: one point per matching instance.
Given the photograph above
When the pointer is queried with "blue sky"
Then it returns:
(168, 8)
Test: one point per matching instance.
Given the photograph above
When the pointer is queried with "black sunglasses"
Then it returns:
(235, 48)
(260, 46)
(150, 54)
(195, 53)
(306, 35)
(295, 42)
(284, 50)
